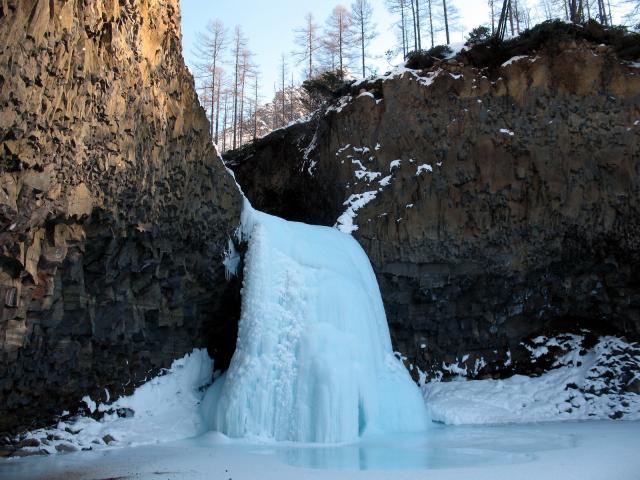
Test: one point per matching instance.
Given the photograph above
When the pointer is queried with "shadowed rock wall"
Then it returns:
(504, 206)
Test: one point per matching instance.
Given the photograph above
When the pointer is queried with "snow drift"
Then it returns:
(313, 361)
(164, 409)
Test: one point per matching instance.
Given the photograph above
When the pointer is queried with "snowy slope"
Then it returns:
(163, 409)
(583, 385)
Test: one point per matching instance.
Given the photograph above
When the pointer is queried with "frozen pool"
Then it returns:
(599, 450)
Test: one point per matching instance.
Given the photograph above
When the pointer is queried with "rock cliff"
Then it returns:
(495, 204)
(115, 211)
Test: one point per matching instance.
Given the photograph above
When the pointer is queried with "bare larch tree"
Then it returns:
(363, 28)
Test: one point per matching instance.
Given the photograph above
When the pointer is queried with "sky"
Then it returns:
(270, 25)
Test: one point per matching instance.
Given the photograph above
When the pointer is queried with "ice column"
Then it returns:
(313, 361)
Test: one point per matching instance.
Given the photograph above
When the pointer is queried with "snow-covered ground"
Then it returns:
(165, 408)
(597, 450)
(599, 383)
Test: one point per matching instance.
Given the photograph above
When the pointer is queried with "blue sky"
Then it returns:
(269, 27)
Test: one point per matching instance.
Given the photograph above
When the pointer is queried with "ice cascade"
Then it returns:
(313, 360)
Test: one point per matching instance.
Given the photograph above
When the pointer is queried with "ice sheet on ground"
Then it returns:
(569, 451)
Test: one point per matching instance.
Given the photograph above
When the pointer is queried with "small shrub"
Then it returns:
(419, 60)
(325, 87)
(440, 51)
(478, 35)
(552, 35)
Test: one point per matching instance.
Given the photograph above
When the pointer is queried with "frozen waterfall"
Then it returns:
(313, 361)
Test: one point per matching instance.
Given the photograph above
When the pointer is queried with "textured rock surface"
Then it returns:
(114, 210)
(513, 208)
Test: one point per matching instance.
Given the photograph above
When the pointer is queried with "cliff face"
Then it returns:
(114, 209)
(493, 209)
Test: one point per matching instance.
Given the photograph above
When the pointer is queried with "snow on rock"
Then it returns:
(364, 178)
(366, 94)
(342, 102)
(424, 168)
(428, 80)
(354, 203)
(385, 181)
(343, 149)
(600, 383)
(398, 72)
(367, 175)
(506, 131)
(313, 361)
(515, 59)
(163, 409)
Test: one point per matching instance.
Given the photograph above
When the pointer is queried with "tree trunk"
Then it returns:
(418, 24)
(242, 82)
(431, 23)
(403, 27)
(224, 124)
(588, 9)
(213, 102)
(415, 31)
(213, 88)
(364, 72)
(218, 109)
(493, 17)
(502, 23)
(235, 98)
(511, 19)
(291, 99)
(446, 21)
(340, 39)
(284, 102)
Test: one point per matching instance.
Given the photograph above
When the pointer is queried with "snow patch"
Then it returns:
(366, 94)
(385, 181)
(515, 59)
(342, 103)
(354, 203)
(163, 409)
(424, 168)
(582, 385)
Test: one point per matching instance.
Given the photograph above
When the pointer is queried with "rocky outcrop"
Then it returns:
(115, 211)
(494, 205)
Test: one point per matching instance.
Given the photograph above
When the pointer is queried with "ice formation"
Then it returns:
(313, 361)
